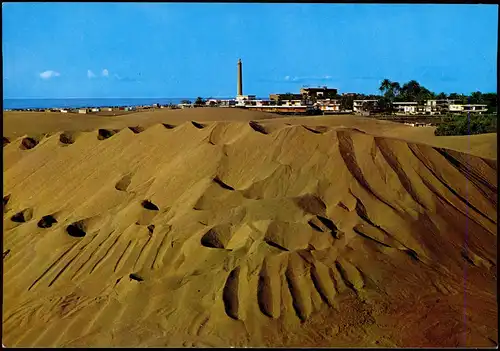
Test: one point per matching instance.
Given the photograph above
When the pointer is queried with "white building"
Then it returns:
(262, 103)
(328, 105)
(244, 100)
(227, 103)
(291, 103)
(64, 111)
(358, 104)
(475, 108)
(430, 107)
(96, 109)
(82, 110)
(212, 102)
(406, 108)
(455, 107)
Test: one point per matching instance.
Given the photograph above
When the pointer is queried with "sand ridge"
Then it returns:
(246, 233)
(34, 124)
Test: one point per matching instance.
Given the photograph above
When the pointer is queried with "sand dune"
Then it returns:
(19, 123)
(36, 124)
(246, 234)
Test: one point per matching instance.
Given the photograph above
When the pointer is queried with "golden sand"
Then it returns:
(222, 227)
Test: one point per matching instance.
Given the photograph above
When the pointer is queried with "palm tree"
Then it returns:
(385, 86)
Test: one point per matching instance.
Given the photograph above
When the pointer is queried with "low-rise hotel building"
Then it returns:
(357, 105)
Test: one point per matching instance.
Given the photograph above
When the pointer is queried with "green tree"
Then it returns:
(384, 104)
(395, 89)
(441, 96)
(385, 86)
(411, 90)
(424, 94)
(491, 101)
(391, 92)
(476, 98)
(199, 101)
(186, 102)
(347, 102)
(368, 106)
(468, 125)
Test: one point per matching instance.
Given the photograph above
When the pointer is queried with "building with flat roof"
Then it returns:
(475, 108)
(277, 97)
(328, 106)
(227, 103)
(405, 107)
(244, 100)
(319, 93)
(358, 104)
(455, 107)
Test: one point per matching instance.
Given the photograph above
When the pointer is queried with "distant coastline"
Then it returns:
(87, 102)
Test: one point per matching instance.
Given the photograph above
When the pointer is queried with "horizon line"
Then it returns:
(70, 98)
(203, 97)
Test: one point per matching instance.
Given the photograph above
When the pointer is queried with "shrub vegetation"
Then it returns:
(468, 125)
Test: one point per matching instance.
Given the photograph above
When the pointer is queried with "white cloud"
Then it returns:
(308, 78)
(90, 74)
(105, 72)
(49, 74)
(126, 79)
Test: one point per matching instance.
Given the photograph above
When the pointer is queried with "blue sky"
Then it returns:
(64, 50)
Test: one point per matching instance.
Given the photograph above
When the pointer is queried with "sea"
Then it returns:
(9, 104)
